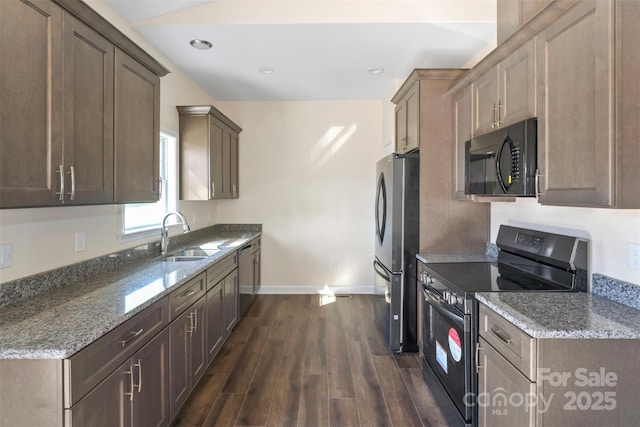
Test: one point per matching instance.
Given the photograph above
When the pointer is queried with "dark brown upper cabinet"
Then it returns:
(208, 154)
(79, 116)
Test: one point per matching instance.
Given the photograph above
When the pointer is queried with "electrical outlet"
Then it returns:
(634, 256)
(81, 241)
(5, 255)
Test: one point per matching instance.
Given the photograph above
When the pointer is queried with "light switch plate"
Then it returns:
(5, 255)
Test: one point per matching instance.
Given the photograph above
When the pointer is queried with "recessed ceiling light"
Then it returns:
(378, 70)
(267, 70)
(201, 44)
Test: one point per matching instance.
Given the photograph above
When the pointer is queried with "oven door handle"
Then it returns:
(440, 307)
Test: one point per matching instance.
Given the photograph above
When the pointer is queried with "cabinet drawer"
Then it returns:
(221, 268)
(516, 346)
(87, 368)
(187, 294)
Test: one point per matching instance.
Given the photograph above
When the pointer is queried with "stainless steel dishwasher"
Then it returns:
(246, 285)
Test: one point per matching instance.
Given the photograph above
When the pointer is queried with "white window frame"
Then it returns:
(169, 176)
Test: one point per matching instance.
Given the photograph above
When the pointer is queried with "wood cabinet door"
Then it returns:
(151, 376)
(180, 354)
(216, 159)
(109, 404)
(230, 302)
(499, 385)
(576, 107)
(401, 127)
(198, 361)
(234, 165)
(88, 114)
(462, 133)
(137, 131)
(485, 102)
(215, 327)
(517, 100)
(413, 118)
(31, 107)
(226, 165)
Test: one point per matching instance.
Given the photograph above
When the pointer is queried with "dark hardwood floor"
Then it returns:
(294, 362)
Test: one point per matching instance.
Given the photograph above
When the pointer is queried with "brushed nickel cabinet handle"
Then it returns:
(213, 189)
(72, 172)
(189, 292)
(499, 114)
(160, 187)
(61, 193)
(195, 315)
(478, 366)
(135, 334)
(537, 185)
(139, 365)
(493, 117)
(502, 335)
(130, 372)
(190, 316)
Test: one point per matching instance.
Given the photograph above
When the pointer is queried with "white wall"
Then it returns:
(609, 230)
(307, 173)
(44, 238)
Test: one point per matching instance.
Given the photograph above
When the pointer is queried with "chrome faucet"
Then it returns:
(164, 232)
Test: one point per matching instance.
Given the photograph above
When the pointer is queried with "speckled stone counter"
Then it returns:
(565, 315)
(61, 321)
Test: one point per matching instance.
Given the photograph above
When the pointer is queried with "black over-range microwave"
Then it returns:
(503, 162)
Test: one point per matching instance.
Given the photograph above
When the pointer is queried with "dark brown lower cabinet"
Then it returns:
(135, 394)
(230, 302)
(188, 352)
(215, 329)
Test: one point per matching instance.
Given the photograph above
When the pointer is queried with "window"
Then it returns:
(141, 217)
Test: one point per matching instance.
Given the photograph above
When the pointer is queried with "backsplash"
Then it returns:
(617, 290)
(31, 286)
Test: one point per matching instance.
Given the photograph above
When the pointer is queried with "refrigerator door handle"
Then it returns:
(381, 271)
(381, 223)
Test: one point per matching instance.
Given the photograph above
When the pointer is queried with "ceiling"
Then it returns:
(318, 49)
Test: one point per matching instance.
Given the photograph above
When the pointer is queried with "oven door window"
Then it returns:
(447, 342)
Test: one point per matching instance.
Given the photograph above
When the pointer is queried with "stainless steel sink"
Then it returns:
(176, 258)
(194, 253)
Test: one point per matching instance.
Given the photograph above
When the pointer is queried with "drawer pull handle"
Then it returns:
(135, 334)
(502, 335)
(478, 366)
(190, 292)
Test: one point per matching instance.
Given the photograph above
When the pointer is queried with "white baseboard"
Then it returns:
(298, 290)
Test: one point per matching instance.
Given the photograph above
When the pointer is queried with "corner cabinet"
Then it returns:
(209, 154)
(588, 150)
(73, 125)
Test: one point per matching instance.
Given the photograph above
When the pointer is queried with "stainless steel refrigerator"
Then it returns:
(397, 221)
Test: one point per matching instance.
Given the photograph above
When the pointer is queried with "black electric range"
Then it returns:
(527, 261)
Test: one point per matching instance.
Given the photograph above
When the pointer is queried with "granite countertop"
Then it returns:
(565, 315)
(57, 323)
